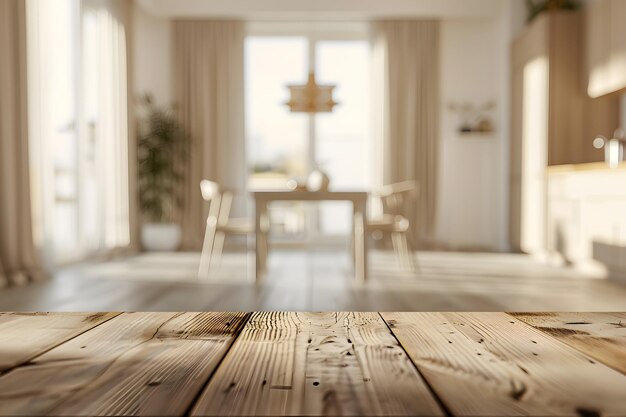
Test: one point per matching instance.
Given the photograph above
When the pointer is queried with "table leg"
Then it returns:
(360, 241)
(261, 231)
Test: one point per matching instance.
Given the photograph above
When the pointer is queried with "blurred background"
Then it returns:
(364, 155)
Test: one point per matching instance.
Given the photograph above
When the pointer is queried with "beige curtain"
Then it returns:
(209, 92)
(406, 65)
(18, 256)
(117, 168)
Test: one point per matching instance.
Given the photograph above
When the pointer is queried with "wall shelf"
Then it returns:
(476, 135)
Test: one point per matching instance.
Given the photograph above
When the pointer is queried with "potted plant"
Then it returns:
(161, 149)
(536, 7)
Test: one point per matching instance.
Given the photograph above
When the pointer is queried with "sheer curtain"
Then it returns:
(406, 70)
(208, 68)
(18, 256)
(79, 130)
(111, 131)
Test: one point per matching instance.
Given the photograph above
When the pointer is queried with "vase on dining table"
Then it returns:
(318, 180)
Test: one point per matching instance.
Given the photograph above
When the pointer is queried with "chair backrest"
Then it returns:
(209, 190)
(220, 201)
(226, 204)
(397, 198)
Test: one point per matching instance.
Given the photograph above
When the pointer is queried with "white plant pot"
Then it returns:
(160, 237)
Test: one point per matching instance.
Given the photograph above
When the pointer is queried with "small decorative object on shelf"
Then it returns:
(474, 118)
(484, 125)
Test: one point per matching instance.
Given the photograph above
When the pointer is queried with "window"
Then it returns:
(342, 138)
(277, 140)
(282, 145)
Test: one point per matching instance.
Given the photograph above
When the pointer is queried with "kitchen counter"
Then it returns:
(590, 166)
(586, 215)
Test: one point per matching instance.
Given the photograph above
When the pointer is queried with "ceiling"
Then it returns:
(322, 9)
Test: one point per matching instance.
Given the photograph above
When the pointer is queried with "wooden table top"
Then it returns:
(304, 195)
(290, 363)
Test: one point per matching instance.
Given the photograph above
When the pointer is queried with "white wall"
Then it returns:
(152, 49)
(470, 166)
(473, 188)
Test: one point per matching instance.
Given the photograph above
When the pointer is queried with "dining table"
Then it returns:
(358, 198)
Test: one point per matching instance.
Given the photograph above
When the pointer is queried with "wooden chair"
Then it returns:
(396, 203)
(218, 225)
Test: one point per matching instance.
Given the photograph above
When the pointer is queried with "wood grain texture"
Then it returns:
(23, 336)
(316, 364)
(493, 364)
(135, 364)
(599, 335)
(56, 375)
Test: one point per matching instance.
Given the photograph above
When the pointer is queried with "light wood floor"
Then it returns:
(319, 281)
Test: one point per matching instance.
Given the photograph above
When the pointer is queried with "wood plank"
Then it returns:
(493, 364)
(23, 336)
(316, 364)
(135, 364)
(54, 376)
(599, 335)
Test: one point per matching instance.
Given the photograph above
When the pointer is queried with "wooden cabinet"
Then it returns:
(553, 120)
(605, 46)
(618, 44)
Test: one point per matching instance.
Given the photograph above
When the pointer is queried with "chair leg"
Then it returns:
(412, 263)
(413, 245)
(216, 255)
(403, 251)
(207, 249)
(408, 256)
(353, 247)
(397, 247)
